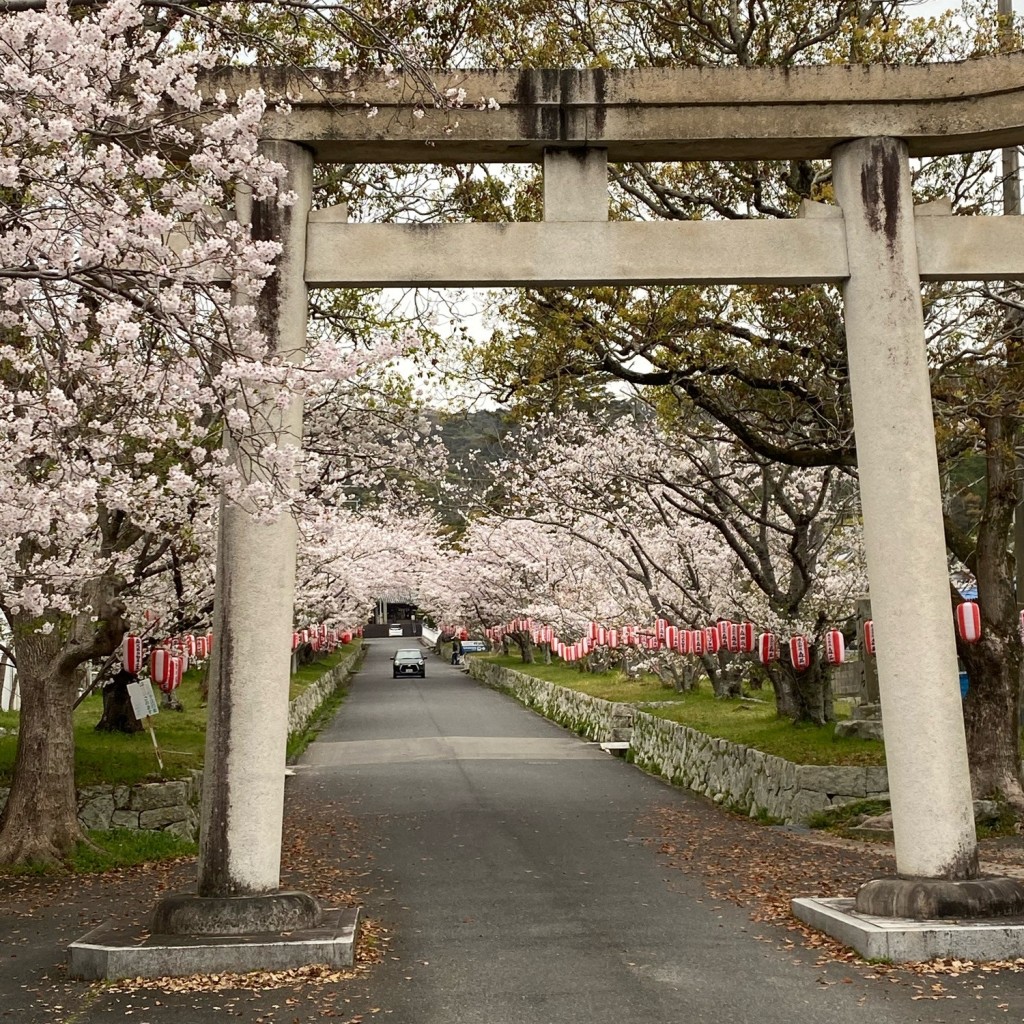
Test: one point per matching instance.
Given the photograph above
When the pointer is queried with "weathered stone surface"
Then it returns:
(97, 812)
(124, 819)
(122, 797)
(185, 914)
(865, 729)
(986, 811)
(186, 829)
(158, 794)
(159, 817)
(833, 779)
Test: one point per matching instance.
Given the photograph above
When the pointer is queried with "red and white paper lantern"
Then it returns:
(613, 638)
(968, 622)
(746, 637)
(767, 648)
(672, 637)
(131, 654)
(835, 647)
(712, 639)
(732, 638)
(697, 642)
(159, 661)
(800, 653)
(869, 636)
(175, 670)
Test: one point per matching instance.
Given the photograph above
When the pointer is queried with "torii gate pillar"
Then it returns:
(247, 731)
(926, 749)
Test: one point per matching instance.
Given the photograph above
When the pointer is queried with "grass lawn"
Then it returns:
(114, 848)
(754, 723)
(122, 759)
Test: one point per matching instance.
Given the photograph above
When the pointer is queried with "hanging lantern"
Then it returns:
(659, 629)
(723, 632)
(968, 621)
(767, 648)
(682, 642)
(346, 637)
(202, 648)
(800, 653)
(747, 639)
(869, 636)
(629, 636)
(150, 616)
(172, 678)
(131, 654)
(613, 638)
(732, 640)
(712, 639)
(304, 635)
(835, 647)
(159, 659)
(697, 637)
(602, 637)
(672, 637)
(296, 640)
(188, 644)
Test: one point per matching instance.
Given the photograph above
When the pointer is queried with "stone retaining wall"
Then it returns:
(174, 806)
(736, 776)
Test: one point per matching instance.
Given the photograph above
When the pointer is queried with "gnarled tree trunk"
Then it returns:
(40, 821)
(992, 705)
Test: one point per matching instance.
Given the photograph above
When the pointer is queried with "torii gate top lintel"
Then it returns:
(647, 114)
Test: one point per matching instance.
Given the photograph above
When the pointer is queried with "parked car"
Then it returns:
(409, 663)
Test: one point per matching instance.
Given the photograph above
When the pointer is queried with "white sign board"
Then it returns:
(143, 701)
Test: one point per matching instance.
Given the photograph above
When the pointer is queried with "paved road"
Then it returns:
(514, 874)
(508, 860)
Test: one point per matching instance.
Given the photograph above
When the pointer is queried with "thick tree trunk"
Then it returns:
(727, 677)
(40, 821)
(991, 711)
(802, 696)
(992, 706)
(118, 715)
(525, 644)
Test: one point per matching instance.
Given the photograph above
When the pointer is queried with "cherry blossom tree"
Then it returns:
(699, 527)
(119, 348)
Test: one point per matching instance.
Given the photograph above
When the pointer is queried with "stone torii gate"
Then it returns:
(869, 121)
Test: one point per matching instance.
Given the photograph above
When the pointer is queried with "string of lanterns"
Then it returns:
(169, 659)
(734, 637)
